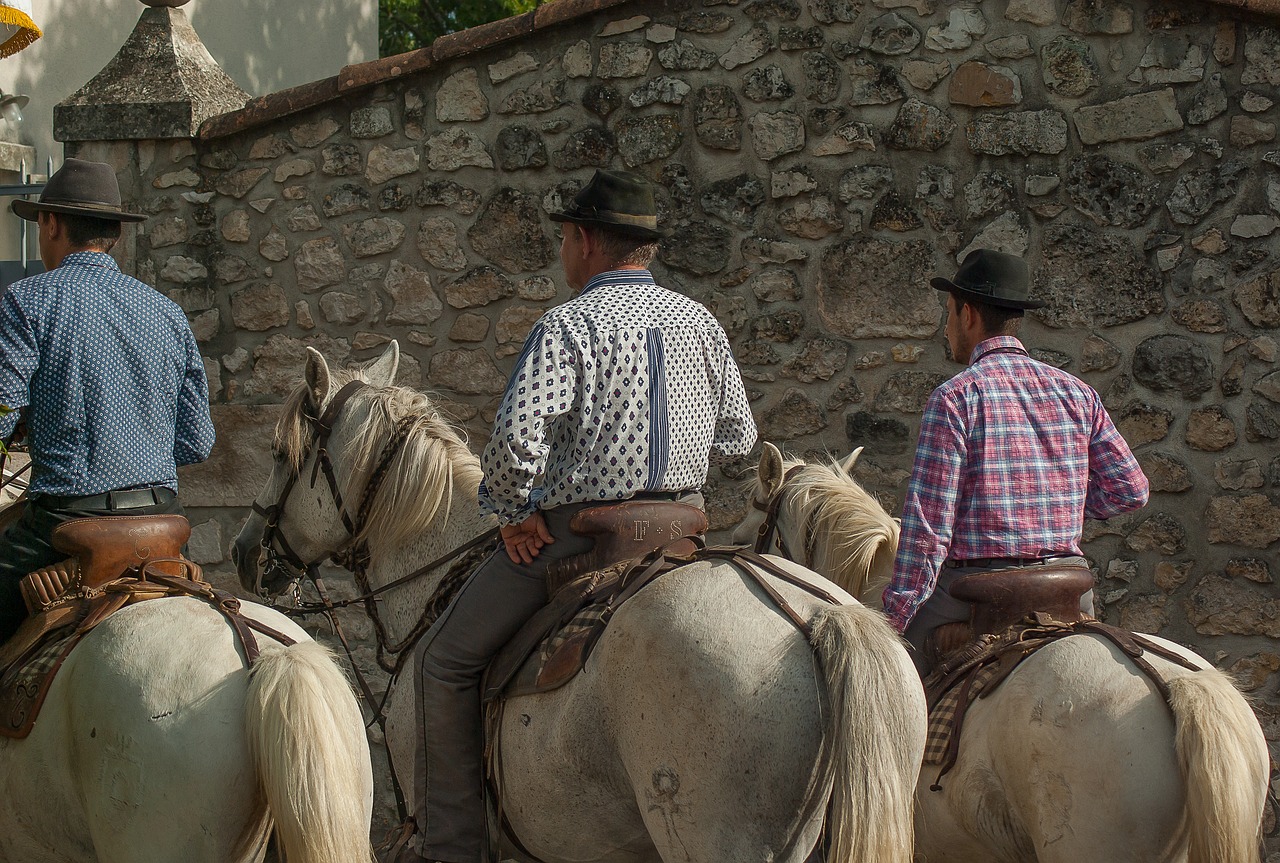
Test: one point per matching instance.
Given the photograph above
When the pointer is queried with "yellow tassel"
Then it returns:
(27, 33)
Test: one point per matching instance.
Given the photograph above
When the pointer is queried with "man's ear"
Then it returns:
(587, 240)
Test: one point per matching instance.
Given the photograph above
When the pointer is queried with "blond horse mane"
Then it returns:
(422, 477)
(861, 537)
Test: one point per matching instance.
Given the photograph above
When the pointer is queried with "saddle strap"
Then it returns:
(1010, 655)
(229, 607)
(752, 563)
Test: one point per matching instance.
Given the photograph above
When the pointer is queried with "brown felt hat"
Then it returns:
(79, 188)
(991, 277)
(617, 200)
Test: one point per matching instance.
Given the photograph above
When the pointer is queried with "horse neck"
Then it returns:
(402, 606)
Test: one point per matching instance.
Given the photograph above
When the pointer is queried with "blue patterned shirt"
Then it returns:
(109, 375)
(628, 387)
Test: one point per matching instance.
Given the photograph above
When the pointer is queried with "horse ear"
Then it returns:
(318, 378)
(769, 471)
(849, 461)
(382, 371)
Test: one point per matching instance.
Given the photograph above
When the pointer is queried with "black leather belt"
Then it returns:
(656, 495)
(997, 562)
(111, 501)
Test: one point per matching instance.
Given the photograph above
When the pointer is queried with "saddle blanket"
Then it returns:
(942, 716)
(25, 684)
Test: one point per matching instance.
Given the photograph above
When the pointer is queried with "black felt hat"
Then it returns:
(991, 277)
(79, 188)
(617, 200)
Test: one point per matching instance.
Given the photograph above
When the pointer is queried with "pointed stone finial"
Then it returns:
(162, 84)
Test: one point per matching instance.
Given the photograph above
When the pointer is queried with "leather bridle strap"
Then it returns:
(769, 526)
(324, 428)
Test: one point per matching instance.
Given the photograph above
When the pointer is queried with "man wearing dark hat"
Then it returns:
(1013, 455)
(626, 391)
(105, 371)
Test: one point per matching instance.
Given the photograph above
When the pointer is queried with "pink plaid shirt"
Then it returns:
(1013, 456)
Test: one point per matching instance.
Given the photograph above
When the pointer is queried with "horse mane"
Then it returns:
(420, 481)
(862, 538)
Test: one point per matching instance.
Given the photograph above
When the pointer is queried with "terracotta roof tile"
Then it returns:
(357, 76)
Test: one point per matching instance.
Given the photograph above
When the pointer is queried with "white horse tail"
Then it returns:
(874, 735)
(1224, 764)
(306, 739)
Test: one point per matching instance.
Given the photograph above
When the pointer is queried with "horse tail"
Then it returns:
(307, 741)
(874, 736)
(1223, 759)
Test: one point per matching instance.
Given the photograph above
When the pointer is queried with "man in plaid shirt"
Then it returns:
(1013, 455)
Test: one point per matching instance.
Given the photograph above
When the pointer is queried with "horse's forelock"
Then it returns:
(296, 426)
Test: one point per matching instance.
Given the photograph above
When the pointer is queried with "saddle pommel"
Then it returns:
(106, 547)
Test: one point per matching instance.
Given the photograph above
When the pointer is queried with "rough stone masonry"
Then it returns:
(818, 161)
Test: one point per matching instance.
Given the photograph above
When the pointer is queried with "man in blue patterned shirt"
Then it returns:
(628, 390)
(106, 373)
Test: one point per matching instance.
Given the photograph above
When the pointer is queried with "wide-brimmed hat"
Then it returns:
(617, 200)
(991, 277)
(79, 188)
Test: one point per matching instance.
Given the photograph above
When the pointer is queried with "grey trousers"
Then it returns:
(449, 771)
(942, 608)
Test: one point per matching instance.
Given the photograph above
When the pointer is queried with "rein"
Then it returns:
(280, 559)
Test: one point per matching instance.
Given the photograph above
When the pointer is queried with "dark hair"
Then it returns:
(86, 232)
(996, 320)
(623, 250)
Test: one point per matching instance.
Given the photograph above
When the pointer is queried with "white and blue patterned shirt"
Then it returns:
(110, 377)
(628, 387)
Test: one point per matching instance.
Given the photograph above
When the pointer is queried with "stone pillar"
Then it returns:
(147, 103)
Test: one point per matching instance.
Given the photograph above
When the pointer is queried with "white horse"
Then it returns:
(704, 728)
(156, 744)
(1076, 756)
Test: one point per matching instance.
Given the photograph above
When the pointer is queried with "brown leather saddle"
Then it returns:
(114, 561)
(1002, 598)
(624, 531)
(626, 535)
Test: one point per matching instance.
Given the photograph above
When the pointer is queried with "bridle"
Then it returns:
(282, 565)
(768, 537)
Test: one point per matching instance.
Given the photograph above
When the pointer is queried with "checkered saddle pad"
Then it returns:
(24, 686)
(977, 670)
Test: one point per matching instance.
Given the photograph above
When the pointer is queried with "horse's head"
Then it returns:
(309, 507)
(819, 516)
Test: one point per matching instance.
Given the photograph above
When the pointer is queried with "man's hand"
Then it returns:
(525, 540)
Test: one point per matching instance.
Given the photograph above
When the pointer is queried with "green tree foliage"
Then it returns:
(405, 25)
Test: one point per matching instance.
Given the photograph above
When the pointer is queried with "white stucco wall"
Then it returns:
(265, 45)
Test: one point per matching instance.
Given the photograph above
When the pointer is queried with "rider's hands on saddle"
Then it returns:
(525, 540)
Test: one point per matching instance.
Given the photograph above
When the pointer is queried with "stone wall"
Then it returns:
(819, 161)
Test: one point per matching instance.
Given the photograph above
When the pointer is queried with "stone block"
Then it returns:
(980, 85)
(240, 463)
(1132, 118)
(1018, 133)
